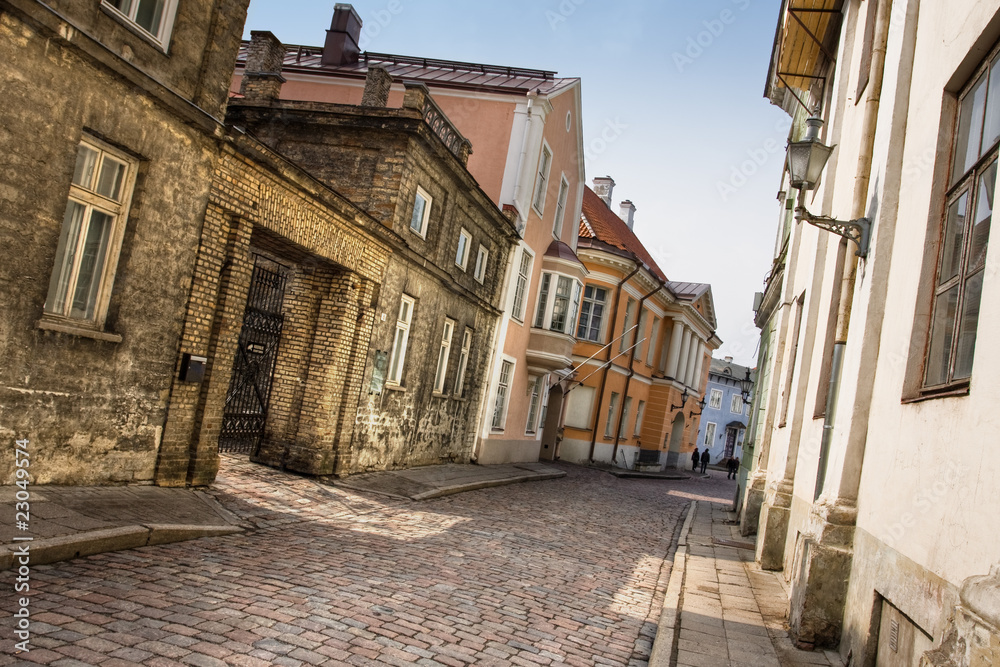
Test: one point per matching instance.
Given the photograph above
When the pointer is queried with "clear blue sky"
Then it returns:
(678, 86)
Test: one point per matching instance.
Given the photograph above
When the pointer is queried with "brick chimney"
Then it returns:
(628, 213)
(603, 187)
(341, 46)
(262, 73)
(377, 86)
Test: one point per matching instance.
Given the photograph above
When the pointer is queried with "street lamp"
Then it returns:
(806, 161)
(684, 398)
(746, 386)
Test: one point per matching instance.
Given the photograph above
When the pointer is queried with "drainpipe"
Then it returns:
(604, 377)
(859, 203)
(532, 95)
(631, 370)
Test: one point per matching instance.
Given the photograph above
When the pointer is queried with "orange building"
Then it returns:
(524, 128)
(644, 345)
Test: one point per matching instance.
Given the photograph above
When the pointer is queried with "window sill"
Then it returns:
(77, 330)
(953, 391)
(393, 387)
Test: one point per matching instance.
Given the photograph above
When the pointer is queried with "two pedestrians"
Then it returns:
(732, 467)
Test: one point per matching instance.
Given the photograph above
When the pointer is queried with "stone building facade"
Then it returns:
(875, 468)
(526, 129)
(436, 311)
(111, 138)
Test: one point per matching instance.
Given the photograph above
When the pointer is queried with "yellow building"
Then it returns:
(644, 345)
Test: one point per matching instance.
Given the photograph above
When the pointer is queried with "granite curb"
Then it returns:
(667, 629)
(90, 542)
(484, 484)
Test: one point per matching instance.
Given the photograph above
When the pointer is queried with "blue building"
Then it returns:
(724, 419)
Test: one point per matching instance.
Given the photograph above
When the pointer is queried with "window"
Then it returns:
(626, 407)
(557, 224)
(399, 341)
(558, 303)
(591, 313)
(609, 425)
(462, 255)
(503, 389)
(715, 401)
(421, 212)
(154, 18)
(709, 434)
(521, 286)
(87, 253)
(535, 388)
(654, 337)
(541, 181)
(629, 316)
(463, 362)
(482, 256)
(638, 417)
(965, 231)
(736, 405)
(443, 354)
(640, 336)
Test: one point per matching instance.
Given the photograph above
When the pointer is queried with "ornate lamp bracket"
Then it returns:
(858, 230)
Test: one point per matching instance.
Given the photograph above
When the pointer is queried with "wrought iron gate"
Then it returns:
(245, 413)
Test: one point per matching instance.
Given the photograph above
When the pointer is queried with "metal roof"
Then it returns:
(429, 71)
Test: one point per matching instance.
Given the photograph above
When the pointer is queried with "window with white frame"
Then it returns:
(639, 412)
(462, 254)
(482, 256)
(463, 362)
(640, 336)
(154, 18)
(623, 426)
(710, 434)
(736, 405)
(503, 393)
(557, 223)
(91, 235)
(609, 425)
(443, 354)
(542, 179)
(592, 313)
(558, 303)
(654, 338)
(958, 283)
(535, 391)
(629, 322)
(400, 340)
(715, 399)
(421, 212)
(521, 285)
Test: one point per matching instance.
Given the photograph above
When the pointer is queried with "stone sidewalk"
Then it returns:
(720, 609)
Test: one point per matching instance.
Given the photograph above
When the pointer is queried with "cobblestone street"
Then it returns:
(563, 571)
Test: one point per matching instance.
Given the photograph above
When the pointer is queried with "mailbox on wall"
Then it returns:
(192, 368)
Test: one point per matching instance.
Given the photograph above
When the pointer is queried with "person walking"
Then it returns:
(695, 458)
(733, 467)
(705, 457)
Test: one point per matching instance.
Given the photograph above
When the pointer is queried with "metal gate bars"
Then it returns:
(245, 413)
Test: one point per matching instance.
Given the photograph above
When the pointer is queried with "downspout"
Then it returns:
(631, 370)
(532, 95)
(604, 377)
(858, 208)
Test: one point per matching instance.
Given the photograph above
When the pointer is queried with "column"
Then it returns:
(698, 367)
(685, 355)
(674, 355)
(692, 360)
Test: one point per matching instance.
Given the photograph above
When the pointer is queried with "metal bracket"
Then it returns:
(859, 230)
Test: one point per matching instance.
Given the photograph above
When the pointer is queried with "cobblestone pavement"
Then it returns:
(562, 571)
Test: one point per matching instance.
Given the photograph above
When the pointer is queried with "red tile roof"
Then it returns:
(601, 224)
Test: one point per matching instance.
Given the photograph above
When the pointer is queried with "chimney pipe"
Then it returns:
(342, 38)
(628, 213)
(603, 187)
